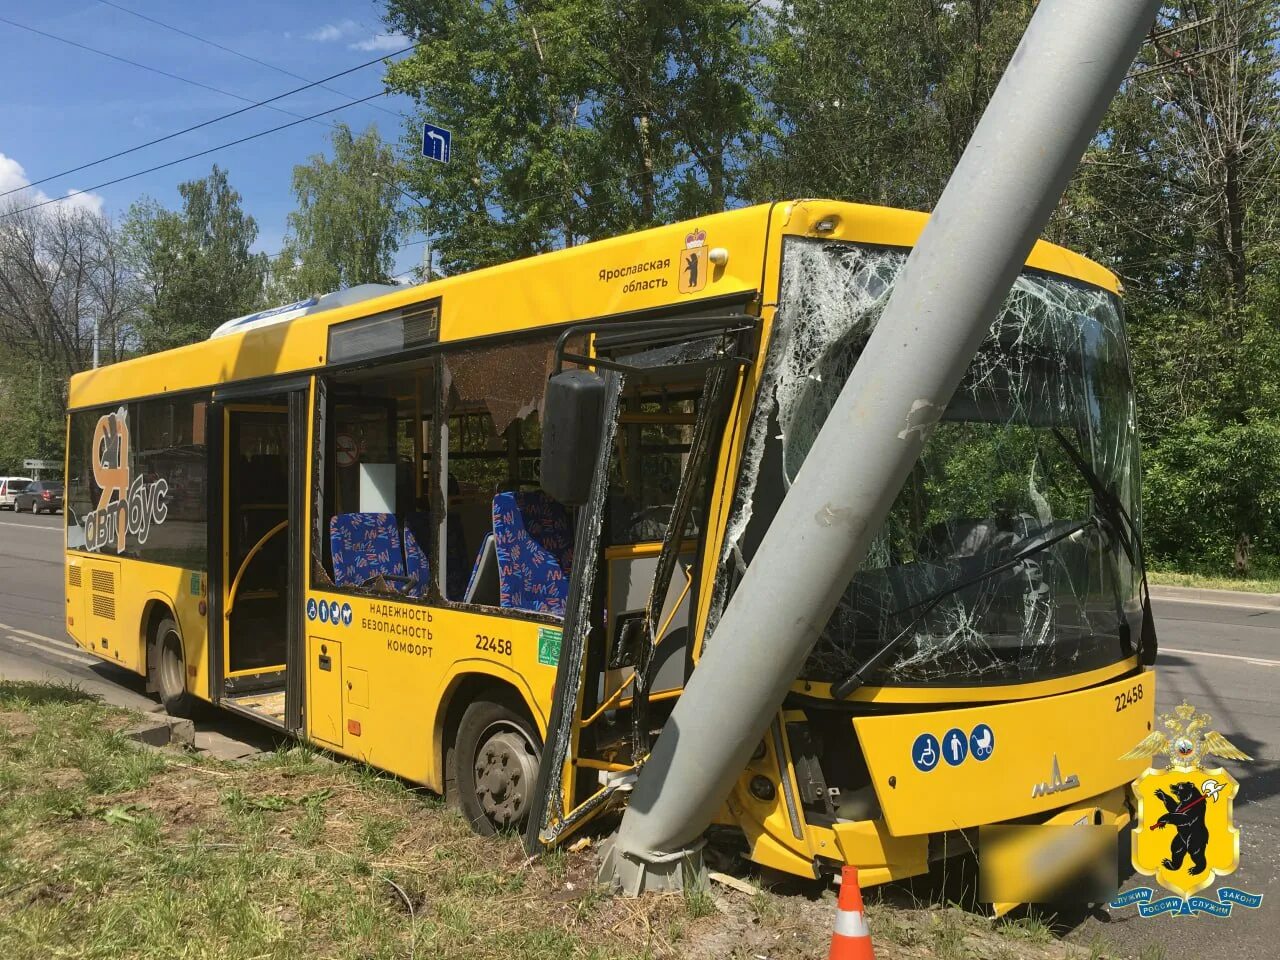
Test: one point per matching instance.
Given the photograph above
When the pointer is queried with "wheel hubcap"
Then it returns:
(505, 767)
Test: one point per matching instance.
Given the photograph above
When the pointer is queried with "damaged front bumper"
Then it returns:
(939, 775)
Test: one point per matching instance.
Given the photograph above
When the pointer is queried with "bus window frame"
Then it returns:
(324, 397)
(439, 492)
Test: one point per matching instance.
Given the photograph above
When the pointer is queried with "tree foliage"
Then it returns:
(575, 120)
(62, 276)
(194, 267)
(347, 226)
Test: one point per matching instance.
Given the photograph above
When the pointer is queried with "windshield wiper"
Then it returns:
(854, 680)
(1126, 532)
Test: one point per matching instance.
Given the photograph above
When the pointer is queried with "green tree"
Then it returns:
(194, 267)
(875, 100)
(574, 120)
(1179, 197)
(62, 277)
(347, 227)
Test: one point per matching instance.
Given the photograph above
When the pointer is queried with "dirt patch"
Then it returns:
(17, 725)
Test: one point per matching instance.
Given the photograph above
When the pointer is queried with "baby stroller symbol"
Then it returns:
(982, 742)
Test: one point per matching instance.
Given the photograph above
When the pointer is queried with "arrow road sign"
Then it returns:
(436, 142)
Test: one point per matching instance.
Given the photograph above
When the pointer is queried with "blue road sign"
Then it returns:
(955, 747)
(924, 752)
(982, 742)
(437, 142)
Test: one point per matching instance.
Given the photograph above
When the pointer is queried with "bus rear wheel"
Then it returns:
(171, 669)
(495, 766)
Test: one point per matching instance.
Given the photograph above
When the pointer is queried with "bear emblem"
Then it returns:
(1185, 811)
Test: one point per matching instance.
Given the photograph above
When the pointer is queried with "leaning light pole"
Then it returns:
(1041, 118)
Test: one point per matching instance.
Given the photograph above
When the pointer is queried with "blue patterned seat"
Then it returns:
(365, 546)
(533, 537)
(416, 562)
(418, 532)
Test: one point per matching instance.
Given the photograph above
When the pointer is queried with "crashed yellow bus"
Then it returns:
(435, 528)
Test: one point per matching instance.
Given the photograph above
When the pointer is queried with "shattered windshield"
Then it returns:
(993, 484)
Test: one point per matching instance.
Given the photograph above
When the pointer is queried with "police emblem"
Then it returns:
(1185, 835)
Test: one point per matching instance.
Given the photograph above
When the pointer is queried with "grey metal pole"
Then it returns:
(95, 343)
(426, 251)
(1041, 118)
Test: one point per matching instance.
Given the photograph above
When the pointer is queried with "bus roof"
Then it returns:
(633, 273)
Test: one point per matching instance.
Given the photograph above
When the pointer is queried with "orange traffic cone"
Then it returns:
(851, 940)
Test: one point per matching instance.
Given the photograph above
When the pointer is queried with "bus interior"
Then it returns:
(457, 435)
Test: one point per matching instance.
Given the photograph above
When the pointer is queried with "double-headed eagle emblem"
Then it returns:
(1184, 833)
(1187, 742)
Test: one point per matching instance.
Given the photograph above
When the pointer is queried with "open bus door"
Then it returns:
(256, 554)
(627, 648)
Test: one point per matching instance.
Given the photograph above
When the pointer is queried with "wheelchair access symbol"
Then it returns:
(925, 752)
(312, 610)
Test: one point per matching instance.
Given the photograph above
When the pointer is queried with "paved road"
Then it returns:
(34, 645)
(1222, 654)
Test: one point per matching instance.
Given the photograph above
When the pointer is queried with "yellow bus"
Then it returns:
(476, 533)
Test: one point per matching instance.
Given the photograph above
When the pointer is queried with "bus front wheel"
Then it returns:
(171, 669)
(495, 766)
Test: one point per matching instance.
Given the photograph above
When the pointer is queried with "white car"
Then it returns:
(10, 487)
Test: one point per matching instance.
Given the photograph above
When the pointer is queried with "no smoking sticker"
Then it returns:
(345, 450)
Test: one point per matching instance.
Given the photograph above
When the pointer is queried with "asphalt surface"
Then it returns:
(1220, 652)
(34, 644)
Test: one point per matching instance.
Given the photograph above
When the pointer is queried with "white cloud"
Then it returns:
(383, 42)
(333, 31)
(14, 177)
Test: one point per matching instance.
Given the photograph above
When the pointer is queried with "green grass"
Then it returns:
(109, 851)
(1169, 578)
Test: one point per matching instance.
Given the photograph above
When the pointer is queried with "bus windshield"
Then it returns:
(995, 564)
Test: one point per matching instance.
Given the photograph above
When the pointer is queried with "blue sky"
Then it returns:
(61, 106)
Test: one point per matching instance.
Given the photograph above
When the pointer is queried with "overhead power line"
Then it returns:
(140, 66)
(1178, 60)
(191, 156)
(242, 56)
(206, 123)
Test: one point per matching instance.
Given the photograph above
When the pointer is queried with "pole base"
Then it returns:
(632, 875)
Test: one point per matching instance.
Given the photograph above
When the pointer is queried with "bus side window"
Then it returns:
(372, 510)
(508, 543)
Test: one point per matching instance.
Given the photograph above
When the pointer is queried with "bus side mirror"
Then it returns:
(571, 425)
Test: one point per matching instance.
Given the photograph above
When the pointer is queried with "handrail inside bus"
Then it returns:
(235, 584)
(614, 698)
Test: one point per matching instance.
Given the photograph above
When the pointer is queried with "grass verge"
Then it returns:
(108, 850)
(1169, 578)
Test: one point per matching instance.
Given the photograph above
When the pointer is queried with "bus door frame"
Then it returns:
(553, 819)
(296, 392)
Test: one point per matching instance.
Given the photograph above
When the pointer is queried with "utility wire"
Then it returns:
(192, 156)
(225, 116)
(135, 63)
(244, 56)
